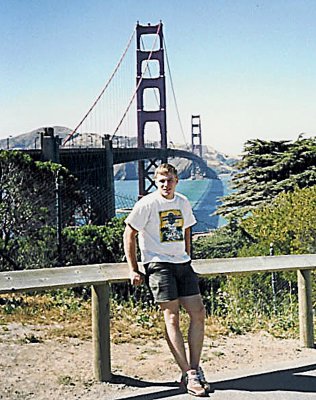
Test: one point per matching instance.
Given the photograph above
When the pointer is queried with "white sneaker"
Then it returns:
(193, 384)
(203, 381)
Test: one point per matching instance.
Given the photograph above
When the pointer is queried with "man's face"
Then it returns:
(166, 185)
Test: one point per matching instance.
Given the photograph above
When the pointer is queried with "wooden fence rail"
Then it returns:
(100, 276)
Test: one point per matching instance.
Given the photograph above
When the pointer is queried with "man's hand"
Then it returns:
(137, 278)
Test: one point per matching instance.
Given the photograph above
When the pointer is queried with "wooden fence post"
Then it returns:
(101, 331)
(305, 308)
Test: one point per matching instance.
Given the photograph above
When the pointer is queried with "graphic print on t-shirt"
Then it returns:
(171, 226)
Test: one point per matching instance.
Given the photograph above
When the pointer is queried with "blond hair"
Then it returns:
(165, 169)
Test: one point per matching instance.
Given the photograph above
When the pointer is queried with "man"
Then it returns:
(163, 221)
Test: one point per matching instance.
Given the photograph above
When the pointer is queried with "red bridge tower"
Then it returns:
(146, 82)
(196, 140)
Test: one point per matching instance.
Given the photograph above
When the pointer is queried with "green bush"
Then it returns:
(224, 242)
(289, 222)
(92, 244)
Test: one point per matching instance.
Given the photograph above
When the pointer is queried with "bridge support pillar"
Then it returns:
(109, 181)
(102, 187)
(146, 113)
(50, 145)
(99, 183)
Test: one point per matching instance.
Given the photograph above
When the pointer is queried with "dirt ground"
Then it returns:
(32, 367)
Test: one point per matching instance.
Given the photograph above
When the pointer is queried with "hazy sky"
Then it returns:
(248, 68)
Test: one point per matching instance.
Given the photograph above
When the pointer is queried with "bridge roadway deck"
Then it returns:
(82, 156)
(295, 380)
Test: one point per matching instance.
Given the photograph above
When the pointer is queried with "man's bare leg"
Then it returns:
(190, 377)
(195, 308)
(173, 334)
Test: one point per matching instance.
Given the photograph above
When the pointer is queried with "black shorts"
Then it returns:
(169, 281)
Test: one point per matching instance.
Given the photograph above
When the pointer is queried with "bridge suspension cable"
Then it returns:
(102, 91)
(107, 109)
(139, 83)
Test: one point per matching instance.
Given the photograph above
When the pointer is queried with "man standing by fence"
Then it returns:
(163, 221)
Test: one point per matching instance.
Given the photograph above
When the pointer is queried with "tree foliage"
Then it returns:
(289, 222)
(224, 242)
(91, 244)
(28, 209)
(266, 169)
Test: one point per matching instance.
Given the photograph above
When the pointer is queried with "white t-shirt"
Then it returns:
(161, 224)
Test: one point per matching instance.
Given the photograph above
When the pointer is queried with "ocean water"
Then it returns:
(204, 196)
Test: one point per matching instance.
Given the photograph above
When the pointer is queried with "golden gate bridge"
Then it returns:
(132, 104)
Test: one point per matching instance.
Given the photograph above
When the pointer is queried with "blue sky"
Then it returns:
(248, 68)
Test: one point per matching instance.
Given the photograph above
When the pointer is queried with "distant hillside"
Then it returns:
(30, 140)
(221, 163)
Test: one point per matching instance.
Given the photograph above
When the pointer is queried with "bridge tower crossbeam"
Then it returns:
(145, 169)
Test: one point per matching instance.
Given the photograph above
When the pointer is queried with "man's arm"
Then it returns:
(129, 238)
(187, 238)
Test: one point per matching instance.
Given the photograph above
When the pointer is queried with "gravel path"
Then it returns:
(32, 367)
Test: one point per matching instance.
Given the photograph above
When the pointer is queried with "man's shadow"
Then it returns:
(287, 380)
(174, 390)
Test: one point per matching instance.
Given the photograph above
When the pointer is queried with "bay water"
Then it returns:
(203, 194)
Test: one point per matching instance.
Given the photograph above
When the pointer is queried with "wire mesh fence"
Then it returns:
(38, 201)
(267, 301)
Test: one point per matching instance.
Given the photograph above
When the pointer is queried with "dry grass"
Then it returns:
(67, 315)
(70, 316)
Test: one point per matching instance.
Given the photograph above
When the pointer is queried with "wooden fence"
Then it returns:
(100, 276)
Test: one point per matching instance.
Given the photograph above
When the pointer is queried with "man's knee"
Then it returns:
(171, 314)
(198, 314)
(171, 317)
(201, 313)
(194, 307)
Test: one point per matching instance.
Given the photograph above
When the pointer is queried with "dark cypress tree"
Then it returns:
(266, 169)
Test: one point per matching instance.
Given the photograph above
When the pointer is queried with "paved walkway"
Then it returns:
(286, 381)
